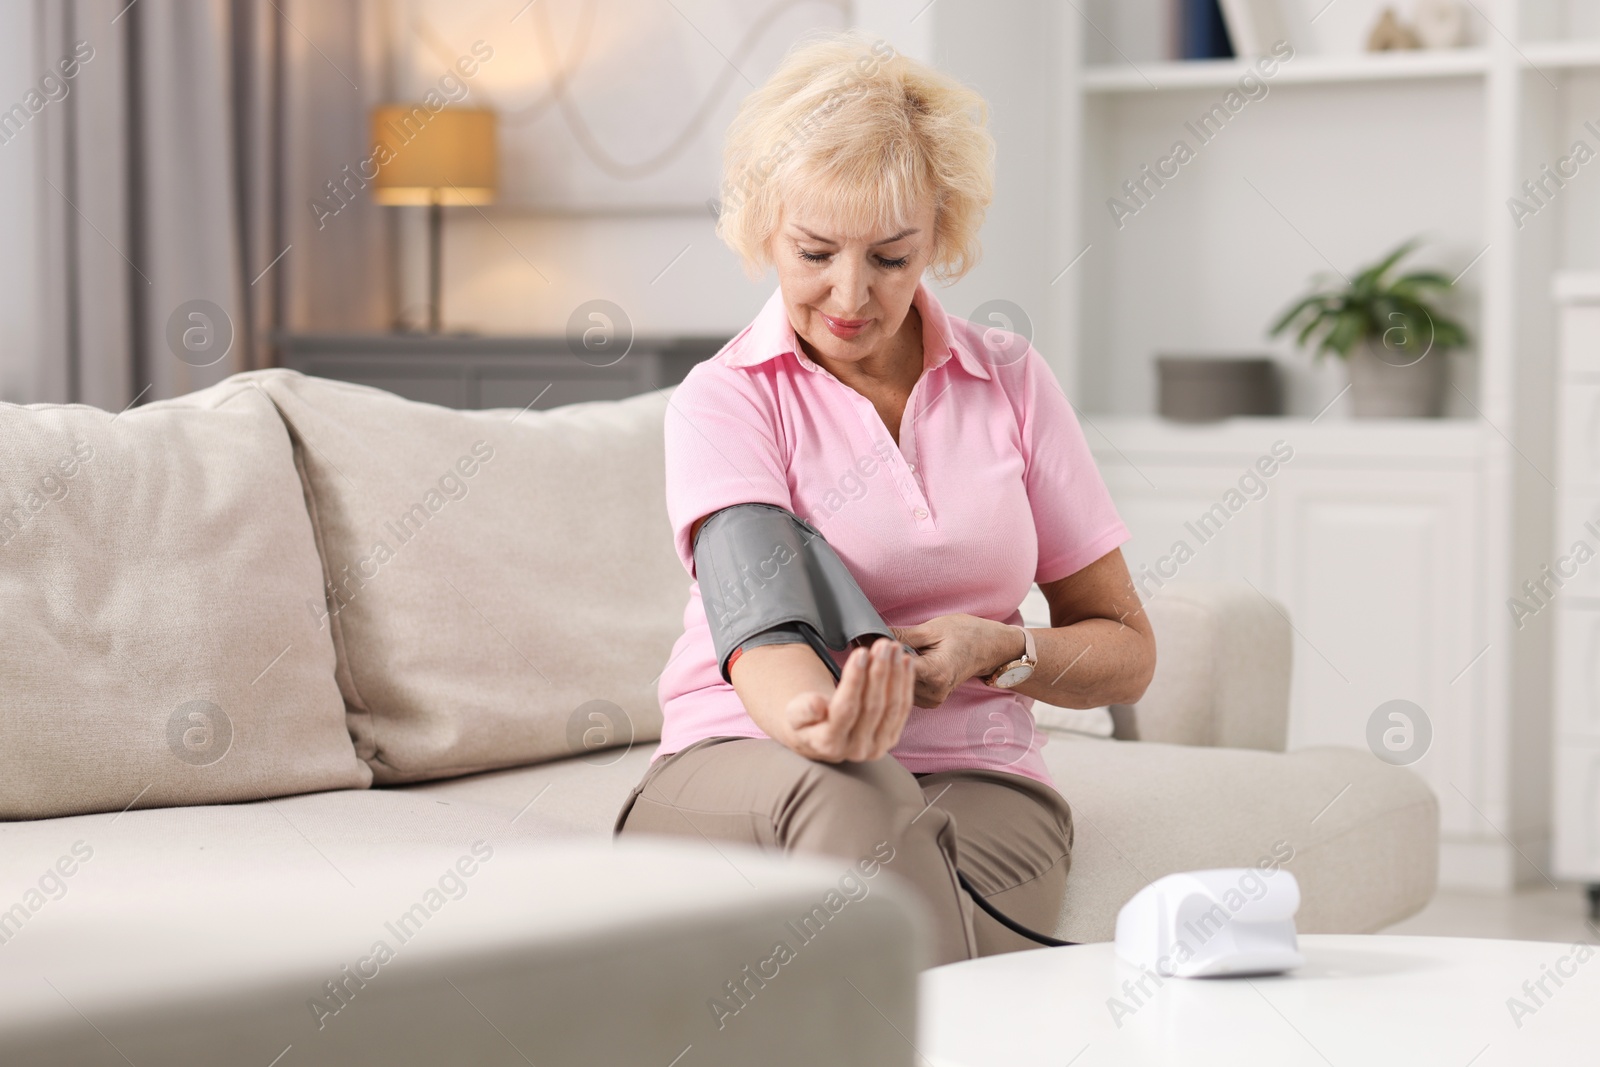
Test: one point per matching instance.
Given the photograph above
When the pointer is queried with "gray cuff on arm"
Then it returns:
(788, 633)
(760, 567)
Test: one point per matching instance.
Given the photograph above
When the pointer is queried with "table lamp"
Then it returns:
(434, 158)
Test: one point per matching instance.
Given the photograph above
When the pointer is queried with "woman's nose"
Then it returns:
(850, 288)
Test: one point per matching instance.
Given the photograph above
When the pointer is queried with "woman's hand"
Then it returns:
(954, 648)
(862, 718)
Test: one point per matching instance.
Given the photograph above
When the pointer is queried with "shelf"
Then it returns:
(1576, 287)
(1428, 442)
(1325, 70)
(1562, 55)
(1303, 70)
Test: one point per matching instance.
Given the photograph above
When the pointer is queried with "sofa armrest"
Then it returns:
(411, 954)
(1223, 657)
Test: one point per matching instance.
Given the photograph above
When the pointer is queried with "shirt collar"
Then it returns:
(771, 335)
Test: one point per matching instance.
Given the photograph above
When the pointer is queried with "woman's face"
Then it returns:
(847, 294)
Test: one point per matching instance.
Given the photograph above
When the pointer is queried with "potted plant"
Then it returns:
(1388, 331)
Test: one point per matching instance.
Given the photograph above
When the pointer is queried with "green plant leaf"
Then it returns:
(1315, 300)
(1310, 328)
(1382, 267)
(1370, 307)
(1422, 279)
(1448, 334)
(1348, 330)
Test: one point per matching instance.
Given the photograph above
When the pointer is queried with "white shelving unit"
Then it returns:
(1412, 537)
(1577, 618)
(1308, 70)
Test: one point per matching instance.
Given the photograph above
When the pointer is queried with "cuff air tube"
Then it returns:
(761, 568)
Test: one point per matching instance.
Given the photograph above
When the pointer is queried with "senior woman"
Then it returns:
(948, 474)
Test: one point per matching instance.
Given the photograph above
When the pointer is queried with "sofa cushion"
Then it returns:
(1366, 856)
(501, 584)
(576, 797)
(154, 570)
(1361, 837)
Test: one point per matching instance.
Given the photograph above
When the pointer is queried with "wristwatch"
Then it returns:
(1017, 671)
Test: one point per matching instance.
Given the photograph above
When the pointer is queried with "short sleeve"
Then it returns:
(723, 447)
(1072, 510)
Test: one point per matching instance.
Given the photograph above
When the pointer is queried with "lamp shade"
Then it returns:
(433, 157)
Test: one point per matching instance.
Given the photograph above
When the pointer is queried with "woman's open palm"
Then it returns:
(863, 717)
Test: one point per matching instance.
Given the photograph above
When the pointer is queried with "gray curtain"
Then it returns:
(175, 240)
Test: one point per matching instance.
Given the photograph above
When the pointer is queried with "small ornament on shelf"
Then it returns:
(1439, 23)
(1389, 34)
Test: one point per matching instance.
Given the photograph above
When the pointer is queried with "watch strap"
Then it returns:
(1030, 656)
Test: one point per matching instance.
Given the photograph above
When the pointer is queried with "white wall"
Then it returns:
(524, 274)
(519, 272)
(1005, 50)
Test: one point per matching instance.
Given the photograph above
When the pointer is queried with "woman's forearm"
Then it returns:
(1100, 650)
(1083, 663)
(790, 693)
(1088, 664)
(768, 677)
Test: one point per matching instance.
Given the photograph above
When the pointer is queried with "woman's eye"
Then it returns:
(823, 257)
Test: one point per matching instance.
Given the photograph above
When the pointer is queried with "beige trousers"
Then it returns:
(1010, 835)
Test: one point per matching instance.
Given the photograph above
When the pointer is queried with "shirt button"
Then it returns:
(913, 467)
(921, 513)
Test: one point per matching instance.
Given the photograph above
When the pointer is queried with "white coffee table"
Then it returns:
(1359, 1000)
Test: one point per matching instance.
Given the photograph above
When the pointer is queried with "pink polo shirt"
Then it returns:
(991, 489)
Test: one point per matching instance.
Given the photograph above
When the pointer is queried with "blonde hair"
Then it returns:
(864, 136)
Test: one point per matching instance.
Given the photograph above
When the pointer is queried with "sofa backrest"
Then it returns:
(154, 571)
(501, 585)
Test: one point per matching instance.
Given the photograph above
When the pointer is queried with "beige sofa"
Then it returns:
(296, 669)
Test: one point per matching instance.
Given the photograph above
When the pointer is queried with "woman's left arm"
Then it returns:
(1098, 650)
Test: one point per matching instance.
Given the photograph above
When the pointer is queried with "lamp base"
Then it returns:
(435, 266)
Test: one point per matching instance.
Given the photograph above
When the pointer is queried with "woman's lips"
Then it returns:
(845, 328)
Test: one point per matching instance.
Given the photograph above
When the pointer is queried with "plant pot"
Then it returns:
(1382, 389)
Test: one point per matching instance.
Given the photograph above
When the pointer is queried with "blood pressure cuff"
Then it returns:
(767, 575)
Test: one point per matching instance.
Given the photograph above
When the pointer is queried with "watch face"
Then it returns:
(1015, 676)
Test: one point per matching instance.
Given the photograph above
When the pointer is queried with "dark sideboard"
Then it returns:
(465, 371)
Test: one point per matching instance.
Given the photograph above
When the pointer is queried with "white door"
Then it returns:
(1378, 571)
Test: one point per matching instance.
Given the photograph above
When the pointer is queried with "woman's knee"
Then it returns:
(857, 806)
